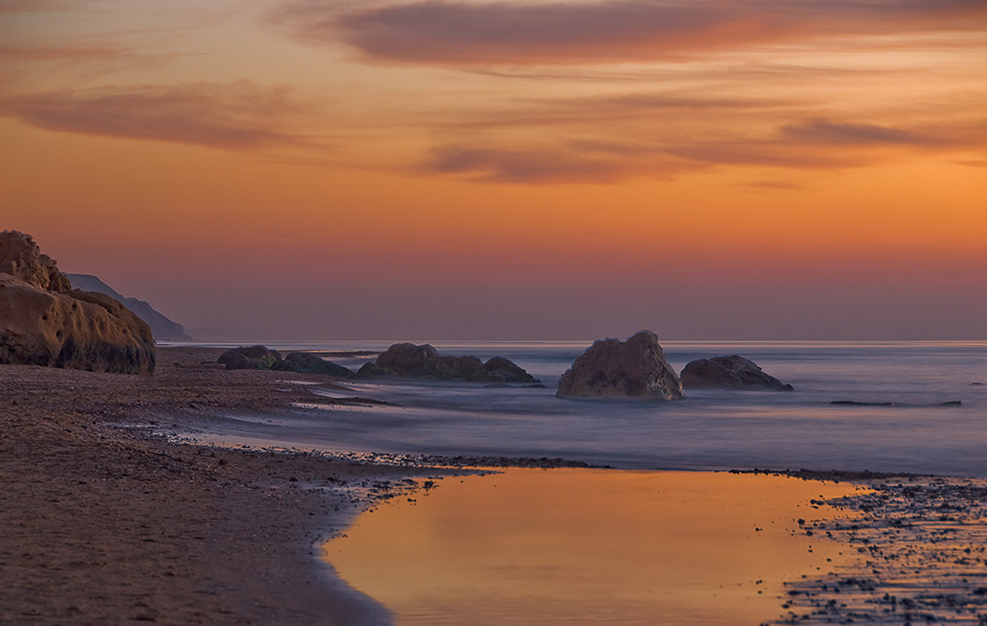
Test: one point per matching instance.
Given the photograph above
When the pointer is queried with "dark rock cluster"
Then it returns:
(424, 361)
(401, 359)
(262, 358)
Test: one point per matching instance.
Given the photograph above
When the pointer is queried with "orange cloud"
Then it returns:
(461, 34)
(234, 116)
(816, 143)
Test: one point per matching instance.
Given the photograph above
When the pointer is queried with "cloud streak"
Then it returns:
(466, 34)
(813, 144)
(233, 116)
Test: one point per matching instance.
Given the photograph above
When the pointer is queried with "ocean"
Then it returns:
(936, 421)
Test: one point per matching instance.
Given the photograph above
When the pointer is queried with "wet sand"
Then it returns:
(104, 523)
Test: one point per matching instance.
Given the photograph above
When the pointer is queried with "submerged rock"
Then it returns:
(734, 372)
(44, 322)
(620, 369)
(423, 361)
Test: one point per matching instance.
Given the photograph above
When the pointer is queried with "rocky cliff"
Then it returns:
(162, 328)
(44, 322)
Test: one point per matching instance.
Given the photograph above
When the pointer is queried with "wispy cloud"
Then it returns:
(234, 116)
(465, 34)
(46, 53)
(539, 166)
(813, 144)
(823, 131)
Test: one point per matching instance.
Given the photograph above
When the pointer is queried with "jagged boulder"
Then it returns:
(308, 363)
(424, 361)
(44, 322)
(250, 358)
(733, 372)
(21, 257)
(611, 368)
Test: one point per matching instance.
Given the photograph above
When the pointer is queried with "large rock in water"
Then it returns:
(734, 372)
(43, 322)
(423, 361)
(610, 368)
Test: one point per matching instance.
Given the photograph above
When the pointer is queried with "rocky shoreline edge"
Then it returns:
(107, 523)
(105, 520)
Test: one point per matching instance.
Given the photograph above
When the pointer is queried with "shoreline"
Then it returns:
(104, 524)
(107, 522)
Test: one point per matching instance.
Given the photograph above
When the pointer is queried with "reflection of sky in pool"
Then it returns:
(588, 547)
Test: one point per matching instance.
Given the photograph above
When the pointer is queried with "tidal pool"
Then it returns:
(576, 546)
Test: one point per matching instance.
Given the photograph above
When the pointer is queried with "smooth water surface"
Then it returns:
(711, 429)
(590, 547)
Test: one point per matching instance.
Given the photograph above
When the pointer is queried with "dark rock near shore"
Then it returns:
(611, 368)
(423, 361)
(250, 358)
(371, 369)
(308, 363)
(263, 358)
(43, 322)
(733, 372)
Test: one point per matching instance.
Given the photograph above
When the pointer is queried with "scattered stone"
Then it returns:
(916, 562)
(611, 368)
(733, 372)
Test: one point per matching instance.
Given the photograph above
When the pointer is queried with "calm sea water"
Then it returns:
(715, 429)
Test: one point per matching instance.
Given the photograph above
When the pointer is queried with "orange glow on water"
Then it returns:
(589, 547)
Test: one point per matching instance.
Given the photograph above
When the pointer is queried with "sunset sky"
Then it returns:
(525, 169)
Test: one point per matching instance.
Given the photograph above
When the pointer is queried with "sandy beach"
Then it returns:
(104, 522)
(102, 525)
